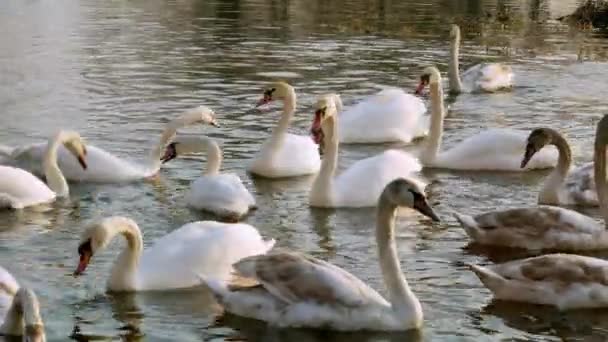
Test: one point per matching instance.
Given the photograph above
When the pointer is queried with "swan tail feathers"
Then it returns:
(218, 288)
(9, 202)
(269, 244)
(470, 226)
(489, 278)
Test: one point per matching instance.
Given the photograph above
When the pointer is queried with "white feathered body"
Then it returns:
(494, 149)
(388, 116)
(222, 194)
(103, 166)
(20, 189)
(297, 156)
(206, 248)
(543, 227)
(487, 77)
(362, 183)
(565, 281)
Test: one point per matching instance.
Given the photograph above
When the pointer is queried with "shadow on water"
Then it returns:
(252, 330)
(548, 321)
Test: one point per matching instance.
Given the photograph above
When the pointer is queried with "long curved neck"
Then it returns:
(322, 186)
(601, 185)
(280, 130)
(125, 268)
(207, 145)
(24, 313)
(13, 321)
(168, 133)
(214, 158)
(454, 67)
(549, 192)
(429, 154)
(403, 301)
(54, 178)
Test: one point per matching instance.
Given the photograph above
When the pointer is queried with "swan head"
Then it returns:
(455, 34)
(75, 145)
(30, 308)
(96, 237)
(184, 145)
(539, 138)
(325, 108)
(430, 75)
(202, 114)
(275, 91)
(402, 192)
(601, 133)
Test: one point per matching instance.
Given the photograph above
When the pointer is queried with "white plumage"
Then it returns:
(494, 149)
(172, 262)
(360, 184)
(388, 116)
(20, 189)
(222, 194)
(105, 167)
(284, 154)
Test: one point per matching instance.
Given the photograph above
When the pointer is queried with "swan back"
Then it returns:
(206, 248)
(390, 115)
(19, 189)
(375, 172)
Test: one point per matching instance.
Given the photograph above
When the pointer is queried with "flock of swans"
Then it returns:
(292, 289)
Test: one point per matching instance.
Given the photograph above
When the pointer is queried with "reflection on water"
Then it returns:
(118, 71)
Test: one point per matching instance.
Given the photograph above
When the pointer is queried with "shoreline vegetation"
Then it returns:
(590, 14)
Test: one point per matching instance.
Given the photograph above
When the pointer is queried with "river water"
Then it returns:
(116, 71)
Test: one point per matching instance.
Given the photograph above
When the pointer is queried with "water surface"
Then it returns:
(116, 71)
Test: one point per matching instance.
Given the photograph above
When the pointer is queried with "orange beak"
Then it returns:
(85, 257)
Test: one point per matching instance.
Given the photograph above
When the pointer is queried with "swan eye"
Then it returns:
(426, 78)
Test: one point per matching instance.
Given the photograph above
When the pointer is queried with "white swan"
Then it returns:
(19, 310)
(284, 154)
(20, 189)
(360, 184)
(566, 281)
(547, 227)
(298, 290)
(105, 167)
(396, 116)
(205, 247)
(222, 194)
(494, 149)
(484, 77)
(562, 187)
